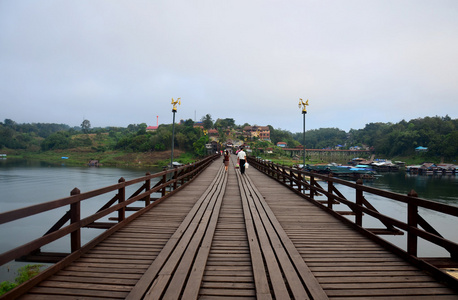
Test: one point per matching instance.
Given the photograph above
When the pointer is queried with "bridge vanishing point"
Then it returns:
(224, 235)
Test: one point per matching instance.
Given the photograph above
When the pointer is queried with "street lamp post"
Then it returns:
(174, 110)
(304, 111)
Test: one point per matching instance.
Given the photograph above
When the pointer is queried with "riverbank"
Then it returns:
(82, 157)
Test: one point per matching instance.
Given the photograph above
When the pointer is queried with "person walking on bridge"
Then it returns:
(241, 157)
(226, 159)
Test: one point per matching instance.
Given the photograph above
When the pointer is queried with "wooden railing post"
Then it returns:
(412, 221)
(175, 175)
(330, 191)
(121, 198)
(312, 187)
(188, 171)
(147, 188)
(359, 204)
(291, 178)
(164, 180)
(75, 216)
(283, 172)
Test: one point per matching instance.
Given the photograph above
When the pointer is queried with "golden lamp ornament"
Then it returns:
(174, 103)
(303, 105)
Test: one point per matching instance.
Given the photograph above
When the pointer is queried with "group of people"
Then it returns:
(241, 159)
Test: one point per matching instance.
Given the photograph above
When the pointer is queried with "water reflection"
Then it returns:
(437, 188)
(24, 183)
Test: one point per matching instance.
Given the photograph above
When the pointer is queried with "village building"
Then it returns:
(421, 149)
(199, 125)
(153, 128)
(261, 132)
(213, 132)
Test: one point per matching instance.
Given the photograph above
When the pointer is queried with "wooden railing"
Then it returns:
(306, 184)
(119, 204)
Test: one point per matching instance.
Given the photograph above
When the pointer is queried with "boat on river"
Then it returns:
(353, 172)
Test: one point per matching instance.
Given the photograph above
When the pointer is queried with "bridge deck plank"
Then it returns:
(160, 223)
(344, 263)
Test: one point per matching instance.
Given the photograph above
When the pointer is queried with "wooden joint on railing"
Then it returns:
(121, 199)
(75, 217)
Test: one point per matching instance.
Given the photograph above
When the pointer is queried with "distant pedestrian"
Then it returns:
(226, 160)
(241, 157)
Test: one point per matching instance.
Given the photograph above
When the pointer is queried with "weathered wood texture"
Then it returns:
(228, 272)
(345, 263)
(238, 237)
(113, 268)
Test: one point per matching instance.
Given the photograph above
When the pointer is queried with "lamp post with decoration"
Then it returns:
(304, 111)
(174, 110)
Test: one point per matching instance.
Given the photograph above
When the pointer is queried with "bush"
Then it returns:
(24, 274)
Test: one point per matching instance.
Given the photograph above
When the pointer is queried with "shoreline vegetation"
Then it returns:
(155, 159)
(75, 157)
(139, 145)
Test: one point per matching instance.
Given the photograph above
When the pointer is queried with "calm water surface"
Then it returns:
(24, 183)
(443, 189)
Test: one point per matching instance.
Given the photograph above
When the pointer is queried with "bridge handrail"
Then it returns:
(294, 178)
(188, 171)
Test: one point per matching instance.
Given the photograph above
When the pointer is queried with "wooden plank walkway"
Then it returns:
(232, 236)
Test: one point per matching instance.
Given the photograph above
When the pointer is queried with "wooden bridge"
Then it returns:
(223, 235)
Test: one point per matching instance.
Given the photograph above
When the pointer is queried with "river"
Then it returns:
(24, 183)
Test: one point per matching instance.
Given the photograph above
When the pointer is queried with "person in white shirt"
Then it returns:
(241, 157)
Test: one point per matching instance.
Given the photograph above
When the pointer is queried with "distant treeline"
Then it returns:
(438, 134)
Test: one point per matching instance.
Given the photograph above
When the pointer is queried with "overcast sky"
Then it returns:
(117, 63)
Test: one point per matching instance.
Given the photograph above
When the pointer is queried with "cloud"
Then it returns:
(118, 63)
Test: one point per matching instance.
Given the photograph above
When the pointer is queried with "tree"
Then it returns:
(142, 128)
(188, 123)
(58, 140)
(199, 146)
(207, 121)
(86, 126)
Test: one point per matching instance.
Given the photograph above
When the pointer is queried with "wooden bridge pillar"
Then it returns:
(75, 216)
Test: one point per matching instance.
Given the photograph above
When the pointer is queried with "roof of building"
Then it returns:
(248, 128)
